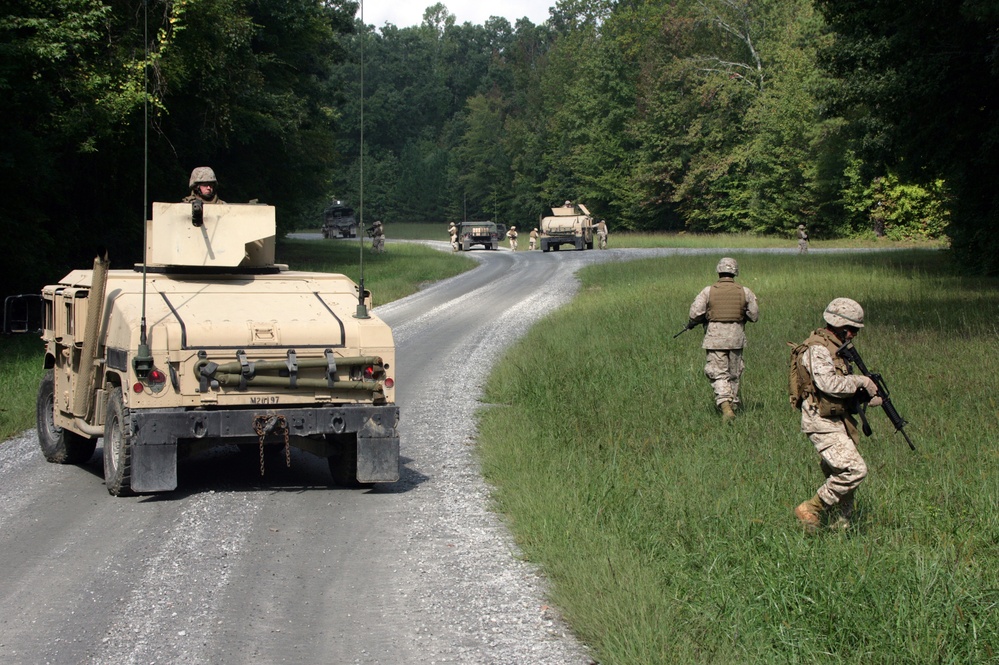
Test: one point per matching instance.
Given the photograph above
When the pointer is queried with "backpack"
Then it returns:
(799, 382)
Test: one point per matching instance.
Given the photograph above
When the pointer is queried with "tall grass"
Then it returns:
(20, 372)
(683, 239)
(669, 537)
(400, 271)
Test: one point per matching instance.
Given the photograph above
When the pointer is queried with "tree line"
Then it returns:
(873, 118)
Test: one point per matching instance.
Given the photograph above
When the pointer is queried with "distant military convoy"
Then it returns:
(568, 224)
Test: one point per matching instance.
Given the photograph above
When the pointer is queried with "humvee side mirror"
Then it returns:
(198, 212)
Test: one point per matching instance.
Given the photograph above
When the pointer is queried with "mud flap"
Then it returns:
(154, 467)
(377, 454)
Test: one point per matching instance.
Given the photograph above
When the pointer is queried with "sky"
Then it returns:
(406, 13)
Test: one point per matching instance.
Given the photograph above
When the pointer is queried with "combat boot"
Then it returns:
(728, 413)
(842, 522)
(809, 513)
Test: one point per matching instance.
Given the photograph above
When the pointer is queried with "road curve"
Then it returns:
(232, 568)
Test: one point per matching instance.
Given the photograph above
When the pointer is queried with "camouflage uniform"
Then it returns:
(802, 239)
(533, 244)
(602, 234)
(202, 175)
(378, 237)
(453, 232)
(724, 340)
(834, 435)
(512, 235)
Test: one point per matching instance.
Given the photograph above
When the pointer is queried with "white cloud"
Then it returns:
(406, 13)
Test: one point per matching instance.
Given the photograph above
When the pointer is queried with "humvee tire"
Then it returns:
(117, 446)
(58, 445)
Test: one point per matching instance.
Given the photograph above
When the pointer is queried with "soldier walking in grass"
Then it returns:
(802, 239)
(827, 397)
(512, 235)
(378, 237)
(725, 307)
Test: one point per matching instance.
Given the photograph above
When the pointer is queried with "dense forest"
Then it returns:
(855, 118)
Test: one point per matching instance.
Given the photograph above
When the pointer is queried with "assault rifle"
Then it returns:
(849, 353)
(690, 324)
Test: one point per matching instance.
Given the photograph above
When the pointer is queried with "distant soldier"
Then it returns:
(567, 204)
(533, 244)
(726, 307)
(378, 237)
(601, 229)
(512, 235)
(802, 239)
(452, 231)
(826, 415)
(204, 186)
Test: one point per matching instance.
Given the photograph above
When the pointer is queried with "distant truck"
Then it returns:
(478, 233)
(239, 350)
(339, 221)
(567, 225)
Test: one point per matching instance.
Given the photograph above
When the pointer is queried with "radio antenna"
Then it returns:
(362, 308)
(142, 362)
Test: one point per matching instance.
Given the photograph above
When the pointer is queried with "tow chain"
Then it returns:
(264, 425)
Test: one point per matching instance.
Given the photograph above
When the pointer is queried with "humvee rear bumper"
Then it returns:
(157, 432)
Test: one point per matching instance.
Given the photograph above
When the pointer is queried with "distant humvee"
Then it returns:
(478, 233)
(339, 221)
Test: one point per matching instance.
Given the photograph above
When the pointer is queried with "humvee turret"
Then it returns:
(567, 225)
(211, 342)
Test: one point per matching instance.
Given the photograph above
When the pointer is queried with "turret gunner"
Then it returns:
(204, 186)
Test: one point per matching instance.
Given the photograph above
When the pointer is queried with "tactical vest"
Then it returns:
(829, 407)
(726, 302)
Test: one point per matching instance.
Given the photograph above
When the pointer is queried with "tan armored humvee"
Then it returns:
(565, 225)
(210, 342)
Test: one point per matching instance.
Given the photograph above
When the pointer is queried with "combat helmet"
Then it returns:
(728, 265)
(203, 174)
(843, 312)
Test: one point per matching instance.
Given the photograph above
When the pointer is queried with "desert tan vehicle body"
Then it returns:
(567, 226)
(237, 350)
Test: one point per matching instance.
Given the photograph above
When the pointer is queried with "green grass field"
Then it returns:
(669, 538)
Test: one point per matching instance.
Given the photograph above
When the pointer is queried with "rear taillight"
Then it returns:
(155, 381)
